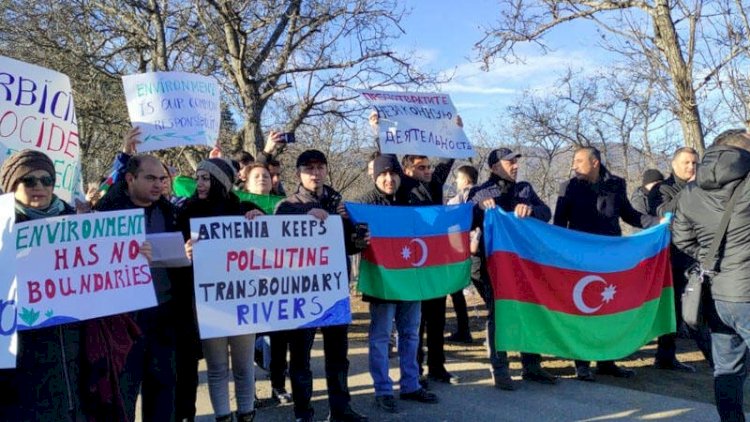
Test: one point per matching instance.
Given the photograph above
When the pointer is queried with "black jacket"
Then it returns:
(302, 201)
(663, 197)
(597, 207)
(699, 210)
(507, 194)
(48, 368)
(415, 192)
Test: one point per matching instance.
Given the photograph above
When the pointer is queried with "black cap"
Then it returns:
(385, 162)
(310, 156)
(501, 154)
(651, 175)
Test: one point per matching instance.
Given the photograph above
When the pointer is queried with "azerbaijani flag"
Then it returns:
(577, 295)
(415, 253)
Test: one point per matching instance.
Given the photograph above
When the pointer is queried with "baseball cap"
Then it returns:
(309, 156)
(502, 154)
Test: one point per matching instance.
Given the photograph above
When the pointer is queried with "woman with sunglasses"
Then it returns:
(213, 198)
(48, 359)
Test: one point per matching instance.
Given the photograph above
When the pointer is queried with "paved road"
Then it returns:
(474, 400)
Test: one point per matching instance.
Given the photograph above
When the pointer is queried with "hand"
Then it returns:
(146, 251)
(215, 152)
(474, 237)
(459, 121)
(253, 213)
(341, 210)
(131, 140)
(83, 207)
(523, 211)
(274, 142)
(487, 204)
(92, 193)
(189, 248)
(373, 119)
(318, 213)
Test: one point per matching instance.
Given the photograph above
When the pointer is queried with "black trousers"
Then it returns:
(462, 313)
(335, 349)
(278, 365)
(150, 366)
(433, 324)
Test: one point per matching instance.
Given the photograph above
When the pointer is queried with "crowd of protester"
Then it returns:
(95, 370)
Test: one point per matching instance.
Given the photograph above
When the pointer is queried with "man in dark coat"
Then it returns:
(502, 190)
(420, 185)
(639, 199)
(150, 365)
(662, 200)
(315, 198)
(593, 202)
(699, 210)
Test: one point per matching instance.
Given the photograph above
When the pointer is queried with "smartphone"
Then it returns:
(360, 233)
(288, 137)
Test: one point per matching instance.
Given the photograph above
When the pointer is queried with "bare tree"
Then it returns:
(671, 35)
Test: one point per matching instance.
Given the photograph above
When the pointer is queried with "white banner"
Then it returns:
(79, 267)
(8, 297)
(37, 112)
(268, 274)
(173, 109)
(418, 124)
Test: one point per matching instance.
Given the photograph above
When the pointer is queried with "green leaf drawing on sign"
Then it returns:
(29, 316)
(49, 313)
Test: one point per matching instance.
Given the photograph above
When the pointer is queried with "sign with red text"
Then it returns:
(173, 109)
(418, 124)
(79, 267)
(268, 274)
(8, 297)
(37, 112)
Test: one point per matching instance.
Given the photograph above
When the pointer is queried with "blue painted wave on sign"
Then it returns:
(56, 320)
(339, 313)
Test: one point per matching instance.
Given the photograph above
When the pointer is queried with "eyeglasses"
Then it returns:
(31, 181)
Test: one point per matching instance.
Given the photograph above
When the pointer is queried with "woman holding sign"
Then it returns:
(213, 198)
(47, 381)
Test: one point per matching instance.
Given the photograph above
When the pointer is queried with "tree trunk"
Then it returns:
(687, 107)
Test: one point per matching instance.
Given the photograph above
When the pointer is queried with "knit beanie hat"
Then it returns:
(22, 163)
(651, 175)
(384, 163)
(221, 169)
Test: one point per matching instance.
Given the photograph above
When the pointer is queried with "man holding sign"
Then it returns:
(151, 362)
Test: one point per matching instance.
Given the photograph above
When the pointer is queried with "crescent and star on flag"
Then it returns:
(407, 255)
(608, 294)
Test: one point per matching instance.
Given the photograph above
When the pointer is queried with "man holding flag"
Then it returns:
(593, 202)
(502, 190)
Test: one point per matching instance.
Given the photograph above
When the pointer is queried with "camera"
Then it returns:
(288, 137)
(361, 230)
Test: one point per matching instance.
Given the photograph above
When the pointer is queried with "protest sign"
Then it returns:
(79, 267)
(8, 297)
(269, 274)
(37, 112)
(173, 109)
(418, 123)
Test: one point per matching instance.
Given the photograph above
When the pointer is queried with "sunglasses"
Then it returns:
(31, 181)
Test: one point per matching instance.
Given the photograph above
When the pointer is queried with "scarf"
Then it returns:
(56, 207)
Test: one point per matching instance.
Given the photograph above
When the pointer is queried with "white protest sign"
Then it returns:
(37, 112)
(268, 274)
(419, 124)
(79, 267)
(173, 109)
(8, 297)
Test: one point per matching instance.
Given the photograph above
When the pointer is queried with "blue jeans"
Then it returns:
(730, 337)
(217, 352)
(407, 316)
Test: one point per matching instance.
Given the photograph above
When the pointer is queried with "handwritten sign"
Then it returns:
(8, 297)
(419, 124)
(173, 109)
(37, 112)
(80, 267)
(268, 274)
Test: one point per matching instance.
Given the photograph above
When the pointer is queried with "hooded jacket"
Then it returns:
(699, 210)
